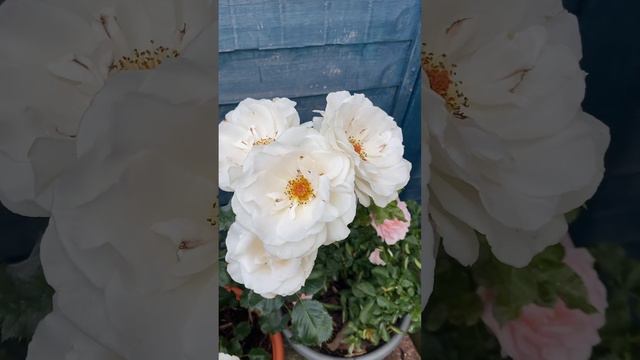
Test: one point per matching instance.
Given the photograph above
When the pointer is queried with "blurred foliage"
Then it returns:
(24, 301)
(453, 326)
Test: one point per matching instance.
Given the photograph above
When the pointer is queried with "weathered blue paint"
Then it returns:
(309, 71)
(304, 49)
(256, 24)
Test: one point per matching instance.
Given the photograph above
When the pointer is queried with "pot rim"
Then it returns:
(377, 354)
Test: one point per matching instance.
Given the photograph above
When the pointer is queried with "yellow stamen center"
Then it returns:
(441, 79)
(299, 189)
(144, 59)
(357, 147)
(264, 141)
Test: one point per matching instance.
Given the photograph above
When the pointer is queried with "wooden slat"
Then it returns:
(252, 24)
(310, 71)
(408, 85)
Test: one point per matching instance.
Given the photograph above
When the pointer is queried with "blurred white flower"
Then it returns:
(296, 194)
(223, 356)
(251, 123)
(512, 149)
(373, 142)
(129, 231)
(58, 338)
(249, 264)
(58, 56)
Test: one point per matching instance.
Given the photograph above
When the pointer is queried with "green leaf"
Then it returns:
(384, 302)
(223, 276)
(311, 323)
(257, 303)
(249, 299)
(241, 330)
(365, 313)
(226, 218)
(380, 271)
(312, 286)
(234, 347)
(273, 322)
(258, 354)
(390, 212)
(573, 291)
(384, 334)
(366, 288)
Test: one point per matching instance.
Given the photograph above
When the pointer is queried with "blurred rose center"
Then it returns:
(441, 80)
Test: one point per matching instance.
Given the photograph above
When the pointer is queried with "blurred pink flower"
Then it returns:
(392, 231)
(375, 258)
(542, 333)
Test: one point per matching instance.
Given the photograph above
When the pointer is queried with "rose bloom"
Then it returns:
(512, 150)
(249, 264)
(58, 56)
(375, 258)
(296, 194)
(372, 140)
(251, 123)
(542, 333)
(129, 228)
(393, 230)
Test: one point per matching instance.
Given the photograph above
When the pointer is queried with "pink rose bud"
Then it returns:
(304, 296)
(375, 258)
(542, 333)
(393, 230)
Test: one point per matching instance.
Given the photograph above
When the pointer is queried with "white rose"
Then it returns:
(512, 149)
(58, 338)
(251, 123)
(59, 55)
(265, 274)
(296, 194)
(129, 228)
(223, 356)
(373, 142)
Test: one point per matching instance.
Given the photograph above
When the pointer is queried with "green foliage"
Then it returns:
(258, 354)
(391, 212)
(310, 323)
(545, 280)
(372, 299)
(455, 331)
(226, 217)
(454, 299)
(260, 319)
(23, 303)
(369, 300)
(621, 333)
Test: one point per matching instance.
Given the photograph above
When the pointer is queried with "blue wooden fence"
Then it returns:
(304, 49)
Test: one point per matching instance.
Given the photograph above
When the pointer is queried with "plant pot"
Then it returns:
(277, 344)
(378, 354)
